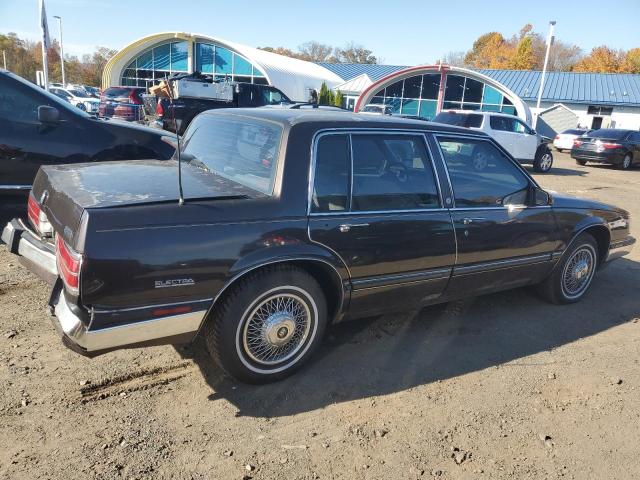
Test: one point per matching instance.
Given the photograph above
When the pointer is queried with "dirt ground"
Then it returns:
(502, 386)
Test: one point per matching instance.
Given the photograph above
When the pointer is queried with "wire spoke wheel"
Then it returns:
(276, 328)
(578, 272)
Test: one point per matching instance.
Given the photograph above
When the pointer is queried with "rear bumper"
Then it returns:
(620, 248)
(89, 342)
(33, 252)
(599, 157)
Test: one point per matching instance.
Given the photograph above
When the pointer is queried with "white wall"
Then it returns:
(622, 117)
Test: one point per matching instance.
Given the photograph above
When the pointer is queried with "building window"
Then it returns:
(223, 63)
(156, 63)
(418, 95)
(599, 110)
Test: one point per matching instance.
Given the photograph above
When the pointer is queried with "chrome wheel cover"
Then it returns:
(578, 272)
(277, 329)
(626, 162)
(546, 161)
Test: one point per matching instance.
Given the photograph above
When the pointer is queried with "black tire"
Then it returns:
(543, 161)
(627, 162)
(582, 163)
(560, 150)
(555, 289)
(236, 335)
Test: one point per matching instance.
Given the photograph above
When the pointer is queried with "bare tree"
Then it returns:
(315, 51)
(455, 59)
(354, 53)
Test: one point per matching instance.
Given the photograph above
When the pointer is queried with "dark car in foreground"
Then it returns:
(618, 147)
(293, 220)
(37, 128)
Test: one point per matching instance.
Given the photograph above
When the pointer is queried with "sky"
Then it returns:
(398, 32)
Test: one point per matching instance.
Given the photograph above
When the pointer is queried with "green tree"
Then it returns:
(339, 99)
(523, 58)
(325, 97)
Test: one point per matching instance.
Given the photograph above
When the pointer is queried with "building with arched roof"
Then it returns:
(148, 60)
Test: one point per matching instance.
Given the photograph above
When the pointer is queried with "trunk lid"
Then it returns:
(66, 191)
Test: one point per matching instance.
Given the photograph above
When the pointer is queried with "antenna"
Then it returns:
(175, 127)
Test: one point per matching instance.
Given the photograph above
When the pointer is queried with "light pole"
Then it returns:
(61, 50)
(552, 24)
(4, 59)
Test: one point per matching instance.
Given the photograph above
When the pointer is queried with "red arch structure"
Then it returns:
(365, 97)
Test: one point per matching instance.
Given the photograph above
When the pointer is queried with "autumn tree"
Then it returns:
(631, 63)
(601, 59)
(490, 50)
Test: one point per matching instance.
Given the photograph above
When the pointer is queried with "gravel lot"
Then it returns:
(502, 386)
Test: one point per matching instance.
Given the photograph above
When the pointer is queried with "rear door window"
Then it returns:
(503, 124)
(392, 172)
(469, 120)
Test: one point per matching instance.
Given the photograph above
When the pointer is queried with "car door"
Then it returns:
(634, 141)
(375, 202)
(501, 129)
(525, 141)
(26, 143)
(504, 239)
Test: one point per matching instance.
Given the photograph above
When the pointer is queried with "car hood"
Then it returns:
(562, 200)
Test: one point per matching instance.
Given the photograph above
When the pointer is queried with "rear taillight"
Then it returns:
(69, 264)
(557, 137)
(38, 218)
(610, 146)
(577, 143)
(160, 109)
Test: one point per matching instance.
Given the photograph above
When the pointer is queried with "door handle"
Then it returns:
(346, 227)
(467, 221)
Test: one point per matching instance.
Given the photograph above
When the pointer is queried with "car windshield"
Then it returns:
(459, 119)
(609, 133)
(244, 150)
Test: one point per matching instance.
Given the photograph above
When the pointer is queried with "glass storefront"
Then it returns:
(162, 60)
(418, 95)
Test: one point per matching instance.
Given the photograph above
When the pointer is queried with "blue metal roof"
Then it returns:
(559, 87)
(347, 71)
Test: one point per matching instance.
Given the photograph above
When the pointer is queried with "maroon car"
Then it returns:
(124, 103)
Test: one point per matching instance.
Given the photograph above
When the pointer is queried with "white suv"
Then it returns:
(515, 136)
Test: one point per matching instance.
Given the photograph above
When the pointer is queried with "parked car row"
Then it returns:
(617, 147)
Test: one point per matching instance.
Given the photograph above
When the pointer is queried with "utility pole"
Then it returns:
(4, 59)
(552, 24)
(61, 49)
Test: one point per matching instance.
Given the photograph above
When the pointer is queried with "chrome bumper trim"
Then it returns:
(45, 259)
(620, 248)
(122, 335)
(36, 254)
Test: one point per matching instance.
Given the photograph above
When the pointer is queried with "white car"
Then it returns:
(79, 98)
(564, 140)
(515, 136)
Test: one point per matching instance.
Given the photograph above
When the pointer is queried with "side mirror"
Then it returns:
(541, 198)
(47, 114)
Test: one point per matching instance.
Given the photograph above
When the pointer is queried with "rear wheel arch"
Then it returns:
(324, 272)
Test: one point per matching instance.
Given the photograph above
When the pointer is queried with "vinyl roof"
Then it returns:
(560, 87)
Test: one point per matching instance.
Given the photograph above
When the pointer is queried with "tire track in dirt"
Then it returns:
(136, 381)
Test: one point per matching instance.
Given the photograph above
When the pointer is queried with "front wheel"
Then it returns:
(572, 277)
(582, 163)
(543, 160)
(268, 326)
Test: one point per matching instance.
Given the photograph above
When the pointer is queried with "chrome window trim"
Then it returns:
(144, 307)
(348, 131)
(15, 187)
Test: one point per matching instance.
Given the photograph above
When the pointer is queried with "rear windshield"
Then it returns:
(574, 131)
(610, 133)
(244, 150)
(469, 120)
